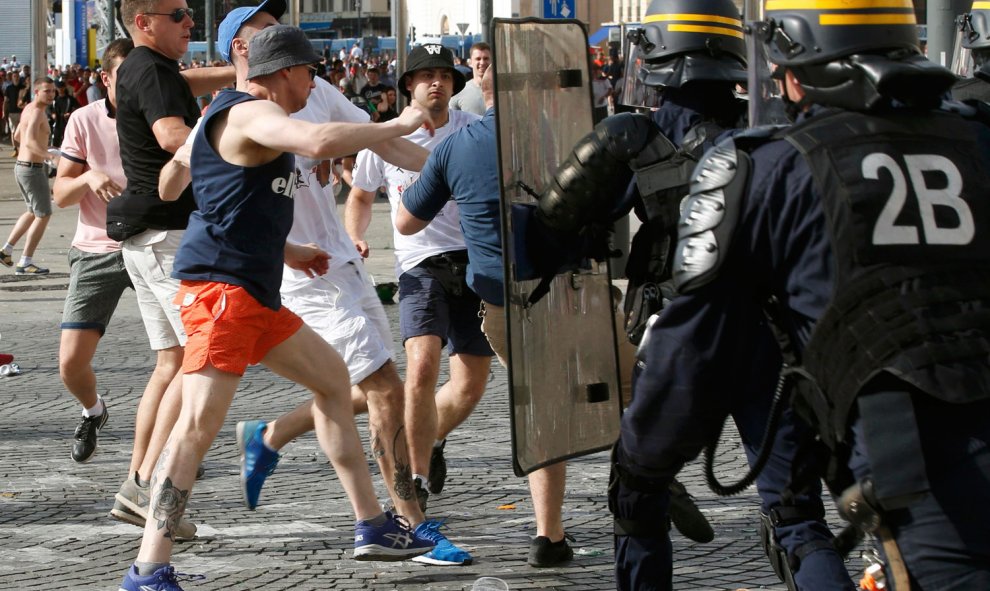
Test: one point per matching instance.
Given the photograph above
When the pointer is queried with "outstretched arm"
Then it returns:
(266, 124)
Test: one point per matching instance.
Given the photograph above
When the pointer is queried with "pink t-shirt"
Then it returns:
(91, 140)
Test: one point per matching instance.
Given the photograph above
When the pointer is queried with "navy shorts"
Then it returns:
(427, 307)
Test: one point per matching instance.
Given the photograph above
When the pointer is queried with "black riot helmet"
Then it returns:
(975, 26)
(971, 54)
(852, 54)
(682, 41)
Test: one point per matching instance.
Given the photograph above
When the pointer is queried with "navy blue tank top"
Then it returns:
(237, 235)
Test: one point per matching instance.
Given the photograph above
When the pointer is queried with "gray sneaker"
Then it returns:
(130, 505)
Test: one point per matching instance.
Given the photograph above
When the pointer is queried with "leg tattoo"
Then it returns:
(377, 447)
(170, 502)
(403, 470)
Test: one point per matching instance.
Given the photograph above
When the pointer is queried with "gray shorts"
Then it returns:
(33, 183)
(96, 282)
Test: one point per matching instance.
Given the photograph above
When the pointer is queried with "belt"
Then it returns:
(29, 164)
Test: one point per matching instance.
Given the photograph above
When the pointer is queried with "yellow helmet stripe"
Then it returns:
(867, 19)
(703, 18)
(981, 5)
(704, 29)
(836, 4)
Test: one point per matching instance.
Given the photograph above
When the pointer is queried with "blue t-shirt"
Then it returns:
(237, 235)
(473, 183)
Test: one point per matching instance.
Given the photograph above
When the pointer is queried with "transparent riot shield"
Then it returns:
(562, 361)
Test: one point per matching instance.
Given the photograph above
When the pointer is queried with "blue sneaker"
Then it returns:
(444, 553)
(163, 579)
(257, 461)
(390, 541)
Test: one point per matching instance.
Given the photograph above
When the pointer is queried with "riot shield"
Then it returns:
(562, 360)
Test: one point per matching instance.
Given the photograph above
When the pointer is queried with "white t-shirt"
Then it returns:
(443, 234)
(315, 214)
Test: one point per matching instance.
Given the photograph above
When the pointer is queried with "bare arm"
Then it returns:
(73, 181)
(357, 217)
(206, 80)
(171, 133)
(175, 175)
(406, 223)
(402, 153)
(267, 125)
(347, 170)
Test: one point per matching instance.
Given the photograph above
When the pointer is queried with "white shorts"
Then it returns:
(148, 258)
(343, 308)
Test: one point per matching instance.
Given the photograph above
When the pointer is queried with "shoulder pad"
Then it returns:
(709, 215)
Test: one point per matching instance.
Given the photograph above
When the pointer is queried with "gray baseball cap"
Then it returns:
(278, 47)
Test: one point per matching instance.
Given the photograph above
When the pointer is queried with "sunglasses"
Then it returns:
(177, 15)
(312, 72)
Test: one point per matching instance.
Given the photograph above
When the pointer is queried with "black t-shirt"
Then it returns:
(12, 94)
(149, 88)
(370, 88)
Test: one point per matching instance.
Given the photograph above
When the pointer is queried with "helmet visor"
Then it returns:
(766, 104)
(635, 92)
(962, 57)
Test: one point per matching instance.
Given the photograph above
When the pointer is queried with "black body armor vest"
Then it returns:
(662, 187)
(905, 197)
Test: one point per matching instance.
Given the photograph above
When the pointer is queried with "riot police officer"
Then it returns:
(974, 37)
(863, 233)
(686, 62)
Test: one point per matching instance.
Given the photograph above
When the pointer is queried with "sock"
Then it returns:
(439, 443)
(25, 261)
(95, 410)
(148, 568)
(422, 479)
(380, 519)
(8, 247)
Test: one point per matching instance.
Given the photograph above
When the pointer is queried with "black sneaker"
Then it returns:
(86, 434)
(543, 553)
(438, 468)
(686, 516)
(422, 495)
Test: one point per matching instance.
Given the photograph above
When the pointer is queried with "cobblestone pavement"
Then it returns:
(55, 533)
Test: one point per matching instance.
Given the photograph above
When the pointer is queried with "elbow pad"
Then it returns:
(710, 215)
(588, 184)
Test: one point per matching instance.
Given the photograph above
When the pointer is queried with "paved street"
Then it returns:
(55, 533)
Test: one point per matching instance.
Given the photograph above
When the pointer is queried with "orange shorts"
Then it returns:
(228, 328)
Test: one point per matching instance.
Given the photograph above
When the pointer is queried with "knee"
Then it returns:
(73, 364)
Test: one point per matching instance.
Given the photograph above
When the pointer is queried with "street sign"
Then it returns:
(462, 27)
(558, 8)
